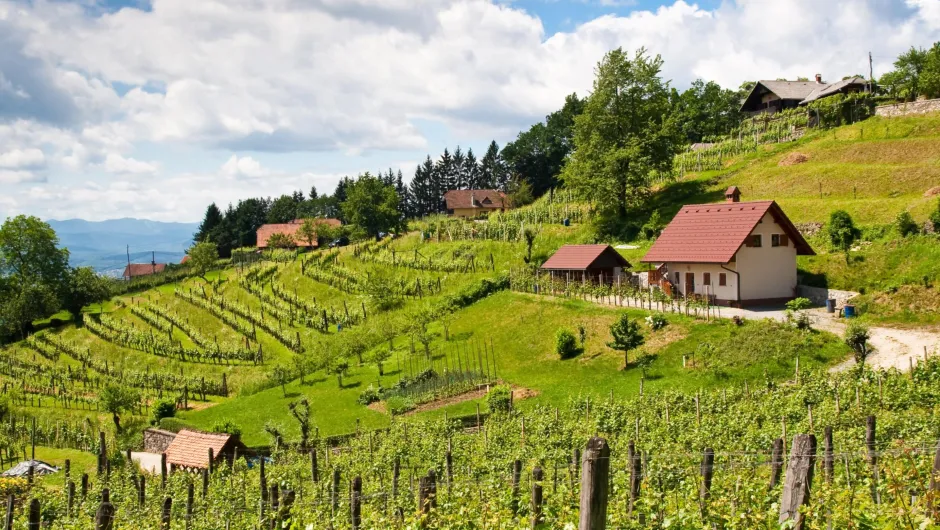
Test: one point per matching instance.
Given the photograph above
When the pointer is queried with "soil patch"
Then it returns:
(378, 406)
(793, 159)
(932, 192)
(517, 394)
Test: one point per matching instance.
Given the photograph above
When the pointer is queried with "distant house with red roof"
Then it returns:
(474, 203)
(290, 229)
(189, 449)
(592, 263)
(737, 253)
(135, 270)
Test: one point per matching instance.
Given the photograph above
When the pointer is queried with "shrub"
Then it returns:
(399, 405)
(369, 396)
(841, 230)
(935, 218)
(582, 334)
(227, 427)
(856, 337)
(565, 344)
(799, 304)
(164, 408)
(499, 398)
(905, 224)
(657, 321)
(174, 424)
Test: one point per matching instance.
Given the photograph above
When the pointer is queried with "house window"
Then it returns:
(722, 279)
(779, 240)
(755, 241)
(677, 278)
(707, 278)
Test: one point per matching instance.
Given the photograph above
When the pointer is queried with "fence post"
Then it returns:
(166, 513)
(189, 505)
(8, 520)
(707, 471)
(70, 498)
(396, 472)
(104, 517)
(102, 452)
(516, 476)
(314, 471)
(162, 471)
(142, 492)
(334, 490)
(776, 462)
(827, 454)
(636, 475)
(355, 503)
(872, 457)
(595, 469)
(799, 480)
(33, 522)
(536, 506)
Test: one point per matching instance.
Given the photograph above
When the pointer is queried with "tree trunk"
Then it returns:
(117, 421)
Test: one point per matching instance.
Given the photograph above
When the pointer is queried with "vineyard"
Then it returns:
(854, 450)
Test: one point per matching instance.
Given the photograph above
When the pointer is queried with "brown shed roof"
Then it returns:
(474, 199)
(713, 233)
(191, 448)
(581, 257)
(289, 229)
(143, 269)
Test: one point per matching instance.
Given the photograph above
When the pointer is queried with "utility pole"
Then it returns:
(128, 262)
(871, 75)
(153, 261)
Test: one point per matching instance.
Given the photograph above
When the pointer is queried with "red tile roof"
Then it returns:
(289, 229)
(143, 269)
(713, 233)
(184, 260)
(581, 257)
(486, 199)
(191, 448)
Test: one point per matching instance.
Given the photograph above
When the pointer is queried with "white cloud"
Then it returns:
(22, 159)
(115, 163)
(354, 77)
(244, 167)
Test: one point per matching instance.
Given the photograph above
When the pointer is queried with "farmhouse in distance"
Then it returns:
(735, 253)
(290, 229)
(774, 96)
(474, 203)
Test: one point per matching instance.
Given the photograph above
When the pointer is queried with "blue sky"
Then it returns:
(154, 110)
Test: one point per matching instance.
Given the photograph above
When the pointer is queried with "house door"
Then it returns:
(689, 283)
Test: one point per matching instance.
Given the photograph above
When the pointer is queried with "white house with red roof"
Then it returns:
(736, 253)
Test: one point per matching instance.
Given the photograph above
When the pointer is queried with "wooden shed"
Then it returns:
(592, 263)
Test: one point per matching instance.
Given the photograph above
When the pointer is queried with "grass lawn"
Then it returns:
(80, 461)
(522, 329)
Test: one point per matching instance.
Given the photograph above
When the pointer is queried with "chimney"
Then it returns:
(819, 79)
(733, 194)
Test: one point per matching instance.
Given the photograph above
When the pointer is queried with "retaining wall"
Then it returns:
(819, 295)
(914, 107)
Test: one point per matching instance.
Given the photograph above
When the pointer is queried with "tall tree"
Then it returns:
(538, 154)
(493, 172)
(210, 221)
(29, 253)
(457, 179)
(706, 110)
(283, 210)
(202, 258)
(471, 171)
(625, 133)
(404, 196)
(371, 205)
(904, 81)
(423, 192)
(84, 287)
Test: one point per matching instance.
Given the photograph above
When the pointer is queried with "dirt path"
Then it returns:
(894, 348)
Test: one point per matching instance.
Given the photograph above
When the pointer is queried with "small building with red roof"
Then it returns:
(135, 270)
(189, 449)
(591, 263)
(736, 253)
(290, 229)
(474, 203)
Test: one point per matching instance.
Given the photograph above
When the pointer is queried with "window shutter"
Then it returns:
(722, 279)
(784, 240)
(749, 242)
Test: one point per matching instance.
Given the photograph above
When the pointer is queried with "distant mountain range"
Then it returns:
(103, 244)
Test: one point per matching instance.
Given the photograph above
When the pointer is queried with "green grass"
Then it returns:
(80, 462)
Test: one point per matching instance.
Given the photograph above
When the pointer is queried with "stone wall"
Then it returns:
(914, 107)
(819, 295)
(157, 440)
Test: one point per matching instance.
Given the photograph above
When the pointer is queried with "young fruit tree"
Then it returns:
(115, 399)
(202, 257)
(856, 337)
(626, 337)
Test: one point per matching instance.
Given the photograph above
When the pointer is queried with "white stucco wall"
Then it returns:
(722, 292)
(767, 272)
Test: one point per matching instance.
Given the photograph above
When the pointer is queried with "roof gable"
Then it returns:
(713, 233)
(290, 229)
(580, 257)
(191, 448)
(460, 199)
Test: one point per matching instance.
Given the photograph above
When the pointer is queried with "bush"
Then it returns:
(399, 405)
(905, 224)
(799, 304)
(935, 218)
(566, 345)
(164, 408)
(856, 337)
(657, 321)
(174, 424)
(369, 396)
(841, 230)
(227, 427)
(499, 398)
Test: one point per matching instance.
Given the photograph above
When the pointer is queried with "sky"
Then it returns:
(156, 108)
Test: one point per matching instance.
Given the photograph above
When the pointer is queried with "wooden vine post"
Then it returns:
(776, 462)
(872, 458)
(799, 480)
(355, 503)
(595, 471)
(536, 504)
(935, 483)
(636, 476)
(104, 517)
(166, 513)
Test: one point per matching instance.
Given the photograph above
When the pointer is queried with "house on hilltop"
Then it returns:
(586, 263)
(774, 96)
(474, 203)
(737, 253)
(189, 449)
(290, 229)
(133, 270)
